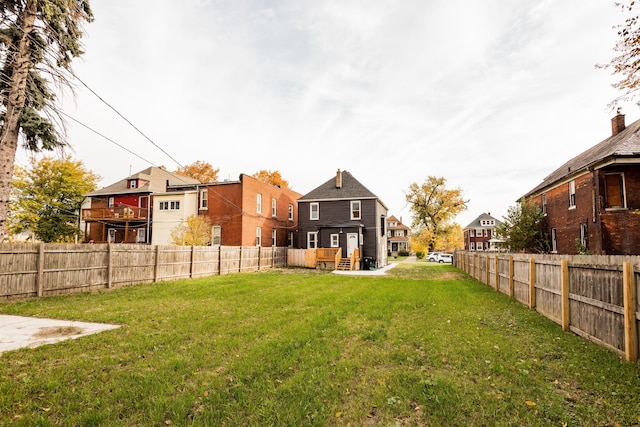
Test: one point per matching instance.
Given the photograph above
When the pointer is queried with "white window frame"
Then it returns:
(584, 234)
(216, 234)
(204, 199)
(472, 246)
(544, 203)
(356, 210)
(290, 212)
(141, 235)
(572, 194)
(312, 240)
(273, 237)
(258, 236)
(274, 207)
(111, 235)
(259, 203)
(472, 232)
(554, 240)
(314, 211)
(290, 239)
(335, 240)
(110, 202)
(174, 205)
(133, 183)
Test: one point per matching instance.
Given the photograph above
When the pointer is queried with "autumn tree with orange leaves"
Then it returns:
(271, 177)
(202, 171)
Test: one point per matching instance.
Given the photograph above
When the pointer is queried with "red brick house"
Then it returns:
(479, 235)
(123, 212)
(249, 212)
(398, 235)
(592, 202)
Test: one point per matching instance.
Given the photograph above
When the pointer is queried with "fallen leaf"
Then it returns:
(338, 414)
(530, 403)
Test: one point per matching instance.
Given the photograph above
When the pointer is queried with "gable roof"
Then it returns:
(478, 221)
(624, 144)
(351, 189)
(154, 180)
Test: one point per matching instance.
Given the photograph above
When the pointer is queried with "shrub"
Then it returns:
(419, 254)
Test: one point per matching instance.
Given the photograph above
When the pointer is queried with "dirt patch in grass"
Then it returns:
(57, 331)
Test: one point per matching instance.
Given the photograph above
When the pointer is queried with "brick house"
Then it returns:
(249, 212)
(343, 213)
(480, 235)
(398, 235)
(592, 202)
(123, 212)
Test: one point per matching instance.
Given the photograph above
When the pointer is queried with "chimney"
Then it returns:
(339, 179)
(617, 123)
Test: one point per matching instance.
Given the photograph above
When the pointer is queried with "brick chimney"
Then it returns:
(339, 179)
(617, 123)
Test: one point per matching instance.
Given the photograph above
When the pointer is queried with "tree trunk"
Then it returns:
(15, 104)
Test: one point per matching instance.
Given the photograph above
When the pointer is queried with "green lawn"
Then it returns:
(425, 346)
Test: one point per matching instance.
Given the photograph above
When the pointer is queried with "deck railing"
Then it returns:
(121, 212)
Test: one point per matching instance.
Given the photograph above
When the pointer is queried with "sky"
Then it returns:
(492, 95)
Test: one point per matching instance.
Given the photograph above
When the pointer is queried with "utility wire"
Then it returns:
(106, 137)
(125, 119)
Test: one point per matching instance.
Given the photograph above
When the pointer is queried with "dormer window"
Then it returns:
(133, 183)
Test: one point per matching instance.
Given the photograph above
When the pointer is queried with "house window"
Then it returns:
(216, 231)
(141, 237)
(383, 224)
(584, 235)
(314, 211)
(274, 207)
(312, 240)
(484, 232)
(290, 212)
(572, 194)
(111, 235)
(544, 203)
(273, 237)
(173, 205)
(258, 236)
(554, 240)
(355, 209)
(472, 233)
(204, 199)
(473, 246)
(133, 183)
(290, 239)
(259, 203)
(614, 191)
(111, 202)
(335, 240)
(479, 233)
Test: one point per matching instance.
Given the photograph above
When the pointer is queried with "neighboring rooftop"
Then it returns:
(484, 220)
(150, 180)
(344, 186)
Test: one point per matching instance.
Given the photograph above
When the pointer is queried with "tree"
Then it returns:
(202, 171)
(434, 206)
(46, 198)
(524, 228)
(195, 232)
(271, 177)
(627, 48)
(38, 40)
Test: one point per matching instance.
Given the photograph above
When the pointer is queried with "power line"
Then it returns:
(125, 119)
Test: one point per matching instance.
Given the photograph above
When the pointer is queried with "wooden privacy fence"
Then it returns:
(28, 270)
(594, 296)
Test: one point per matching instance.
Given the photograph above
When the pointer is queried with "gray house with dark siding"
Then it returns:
(343, 213)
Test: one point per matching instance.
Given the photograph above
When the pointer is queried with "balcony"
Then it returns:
(118, 213)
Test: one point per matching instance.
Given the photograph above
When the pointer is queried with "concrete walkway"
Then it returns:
(377, 272)
(18, 332)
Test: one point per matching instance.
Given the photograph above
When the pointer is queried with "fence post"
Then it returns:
(109, 265)
(630, 326)
(564, 284)
(40, 277)
(486, 273)
(193, 257)
(156, 265)
(497, 262)
(511, 275)
(532, 283)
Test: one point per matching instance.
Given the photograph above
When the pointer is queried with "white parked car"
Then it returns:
(448, 258)
(432, 256)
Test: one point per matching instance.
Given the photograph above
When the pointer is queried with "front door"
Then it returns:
(352, 243)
